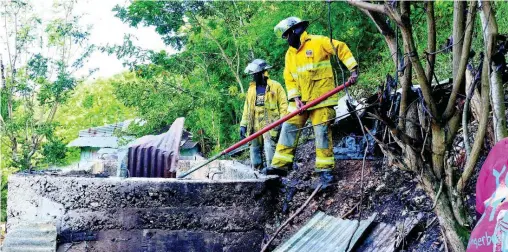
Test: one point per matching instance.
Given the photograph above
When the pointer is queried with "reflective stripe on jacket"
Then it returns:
(275, 106)
(308, 72)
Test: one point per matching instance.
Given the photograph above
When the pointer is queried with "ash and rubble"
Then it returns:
(393, 194)
(388, 191)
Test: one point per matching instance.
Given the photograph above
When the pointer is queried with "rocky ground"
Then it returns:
(392, 194)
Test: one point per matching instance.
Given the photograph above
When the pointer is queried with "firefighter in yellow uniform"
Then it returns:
(266, 102)
(308, 75)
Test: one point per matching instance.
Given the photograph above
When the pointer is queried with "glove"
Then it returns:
(298, 102)
(354, 76)
(243, 131)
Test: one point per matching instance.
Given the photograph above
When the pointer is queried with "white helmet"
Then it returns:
(283, 26)
(256, 66)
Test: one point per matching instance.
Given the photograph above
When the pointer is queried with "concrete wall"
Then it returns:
(217, 170)
(142, 214)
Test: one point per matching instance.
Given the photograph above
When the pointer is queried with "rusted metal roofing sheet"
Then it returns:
(31, 236)
(326, 233)
(156, 156)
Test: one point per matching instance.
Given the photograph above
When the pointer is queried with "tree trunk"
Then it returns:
(456, 235)
(2, 73)
(433, 174)
(498, 106)
(2, 83)
(405, 81)
(497, 92)
(459, 9)
(411, 156)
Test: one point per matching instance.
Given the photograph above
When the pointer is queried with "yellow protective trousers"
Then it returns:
(285, 150)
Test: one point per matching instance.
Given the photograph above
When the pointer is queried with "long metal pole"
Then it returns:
(267, 128)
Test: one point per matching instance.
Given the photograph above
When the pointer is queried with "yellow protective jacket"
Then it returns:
(308, 71)
(275, 107)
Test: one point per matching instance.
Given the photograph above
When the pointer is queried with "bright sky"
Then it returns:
(106, 29)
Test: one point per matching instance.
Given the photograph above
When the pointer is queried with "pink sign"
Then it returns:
(491, 231)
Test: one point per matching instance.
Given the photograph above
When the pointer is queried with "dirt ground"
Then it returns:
(389, 192)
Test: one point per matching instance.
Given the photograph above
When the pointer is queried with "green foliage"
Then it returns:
(204, 80)
(166, 16)
(54, 149)
(91, 104)
(218, 39)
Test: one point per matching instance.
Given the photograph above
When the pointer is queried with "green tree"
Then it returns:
(92, 104)
(37, 77)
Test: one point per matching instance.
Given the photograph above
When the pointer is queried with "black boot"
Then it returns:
(274, 171)
(326, 180)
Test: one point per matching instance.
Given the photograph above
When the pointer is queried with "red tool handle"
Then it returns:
(287, 117)
(267, 128)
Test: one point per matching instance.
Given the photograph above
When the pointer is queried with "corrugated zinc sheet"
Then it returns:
(156, 156)
(382, 239)
(102, 131)
(386, 237)
(39, 236)
(188, 145)
(326, 233)
(99, 142)
(101, 137)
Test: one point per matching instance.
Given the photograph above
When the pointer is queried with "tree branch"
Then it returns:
(397, 133)
(463, 57)
(385, 149)
(459, 8)
(386, 31)
(482, 127)
(431, 39)
(497, 96)
(223, 52)
(425, 86)
(368, 6)
(470, 88)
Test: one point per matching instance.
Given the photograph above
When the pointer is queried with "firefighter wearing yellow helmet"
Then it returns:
(266, 102)
(308, 75)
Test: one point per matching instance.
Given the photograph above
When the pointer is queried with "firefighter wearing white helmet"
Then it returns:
(308, 75)
(266, 102)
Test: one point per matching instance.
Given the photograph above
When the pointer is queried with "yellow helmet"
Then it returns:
(285, 25)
